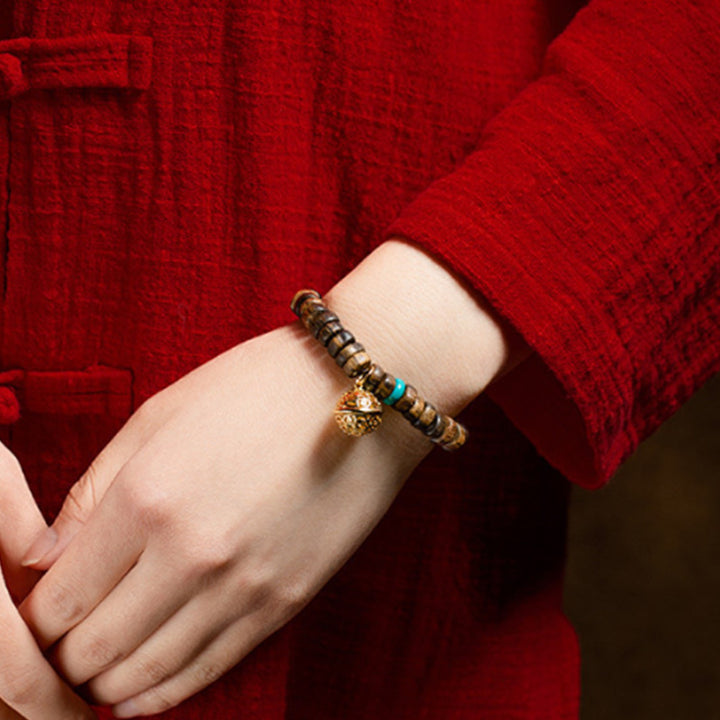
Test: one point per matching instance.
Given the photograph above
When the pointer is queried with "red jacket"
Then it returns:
(160, 166)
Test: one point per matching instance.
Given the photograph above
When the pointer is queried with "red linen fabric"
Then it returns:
(170, 174)
(590, 217)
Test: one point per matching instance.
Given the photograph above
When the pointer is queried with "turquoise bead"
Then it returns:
(396, 394)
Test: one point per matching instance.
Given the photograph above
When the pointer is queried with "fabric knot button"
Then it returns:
(12, 80)
(9, 406)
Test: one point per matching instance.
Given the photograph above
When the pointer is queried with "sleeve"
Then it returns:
(589, 217)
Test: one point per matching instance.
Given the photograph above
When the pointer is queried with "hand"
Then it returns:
(29, 687)
(222, 507)
(230, 498)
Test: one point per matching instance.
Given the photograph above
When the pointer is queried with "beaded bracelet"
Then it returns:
(359, 411)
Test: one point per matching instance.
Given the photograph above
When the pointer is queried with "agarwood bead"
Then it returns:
(449, 433)
(309, 312)
(458, 440)
(317, 321)
(436, 428)
(386, 386)
(373, 378)
(338, 342)
(309, 307)
(427, 416)
(328, 331)
(300, 297)
(404, 403)
(415, 410)
(357, 364)
(347, 352)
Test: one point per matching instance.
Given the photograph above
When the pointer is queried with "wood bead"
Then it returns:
(405, 401)
(437, 427)
(427, 416)
(300, 297)
(317, 321)
(415, 410)
(449, 432)
(373, 378)
(337, 343)
(386, 386)
(458, 441)
(347, 352)
(357, 364)
(310, 306)
(309, 311)
(327, 331)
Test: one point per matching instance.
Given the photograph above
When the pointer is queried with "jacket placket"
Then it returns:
(27, 64)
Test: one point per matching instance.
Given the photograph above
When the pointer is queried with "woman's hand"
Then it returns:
(230, 497)
(223, 506)
(29, 687)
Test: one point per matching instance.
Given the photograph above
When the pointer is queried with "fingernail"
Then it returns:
(126, 709)
(40, 548)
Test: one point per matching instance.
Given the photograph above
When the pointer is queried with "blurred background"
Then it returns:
(643, 578)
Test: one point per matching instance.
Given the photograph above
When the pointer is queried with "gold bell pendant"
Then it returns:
(358, 412)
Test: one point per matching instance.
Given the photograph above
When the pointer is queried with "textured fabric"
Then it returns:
(162, 165)
(590, 216)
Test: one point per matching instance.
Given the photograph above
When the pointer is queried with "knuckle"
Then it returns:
(146, 497)
(208, 558)
(205, 673)
(63, 603)
(99, 653)
(291, 597)
(258, 588)
(153, 670)
(281, 598)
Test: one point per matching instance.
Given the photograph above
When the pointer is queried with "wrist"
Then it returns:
(420, 323)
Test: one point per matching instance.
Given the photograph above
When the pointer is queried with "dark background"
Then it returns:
(643, 578)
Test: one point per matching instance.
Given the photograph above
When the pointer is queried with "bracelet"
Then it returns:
(359, 411)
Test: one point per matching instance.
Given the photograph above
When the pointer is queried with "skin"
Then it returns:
(230, 498)
(28, 684)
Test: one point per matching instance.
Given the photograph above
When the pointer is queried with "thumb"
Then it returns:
(20, 523)
(81, 500)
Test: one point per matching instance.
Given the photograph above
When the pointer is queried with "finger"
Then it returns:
(166, 652)
(145, 598)
(84, 496)
(20, 520)
(223, 653)
(92, 565)
(28, 684)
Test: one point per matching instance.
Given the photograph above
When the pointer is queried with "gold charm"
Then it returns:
(358, 412)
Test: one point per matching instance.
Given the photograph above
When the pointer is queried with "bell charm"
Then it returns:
(358, 412)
